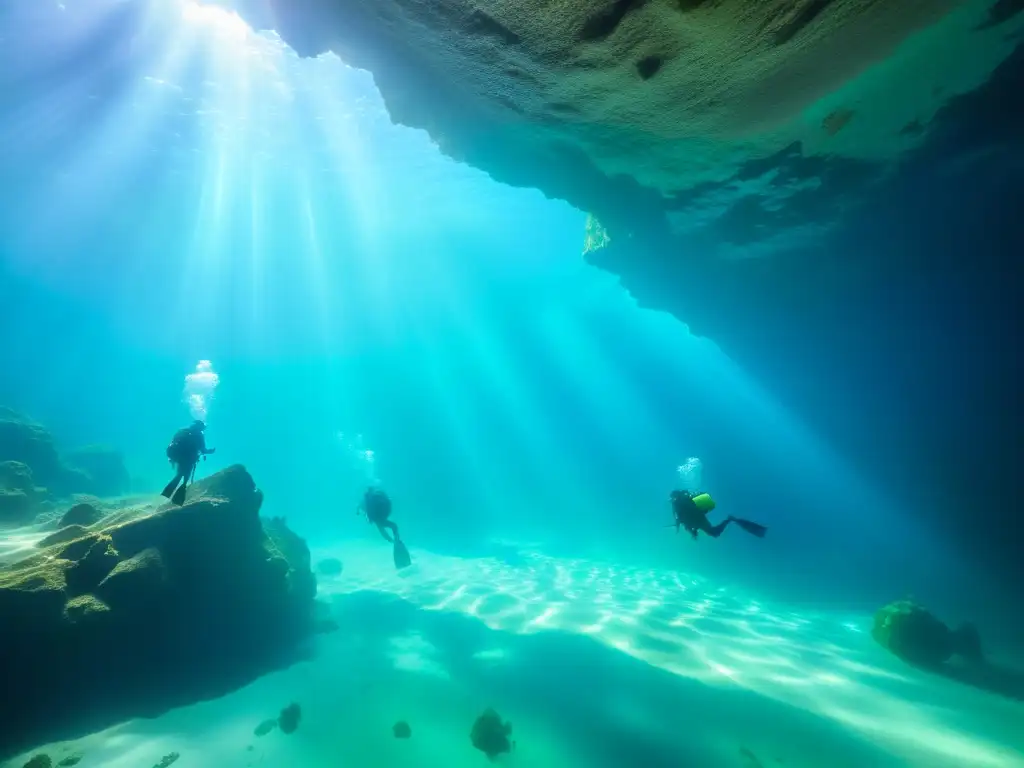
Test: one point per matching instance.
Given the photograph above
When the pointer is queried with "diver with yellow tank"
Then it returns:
(691, 512)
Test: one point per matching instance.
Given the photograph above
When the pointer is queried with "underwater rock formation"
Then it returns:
(104, 466)
(167, 760)
(83, 513)
(401, 730)
(918, 637)
(95, 470)
(845, 144)
(288, 720)
(19, 496)
(678, 115)
(30, 444)
(265, 727)
(490, 735)
(150, 611)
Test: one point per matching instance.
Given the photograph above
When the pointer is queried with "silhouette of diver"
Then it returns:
(376, 505)
(186, 447)
(691, 512)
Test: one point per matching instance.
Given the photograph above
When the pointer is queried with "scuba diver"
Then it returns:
(691, 512)
(376, 505)
(186, 447)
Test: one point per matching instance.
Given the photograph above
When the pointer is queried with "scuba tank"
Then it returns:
(704, 502)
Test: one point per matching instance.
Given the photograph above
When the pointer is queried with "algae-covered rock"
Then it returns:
(19, 496)
(70, 533)
(69, 761)
(490, 735)
(595, 236)
(167, 760)
(139, 577)
(92, 565)
(83, 514)
(401, 730)
(85, 608)
(16, 507)
(156, 609)
(265, 727)
(288, 551)
(288, 720)
(917, 636)
(24, 441)
(39, 761)
(17, 476)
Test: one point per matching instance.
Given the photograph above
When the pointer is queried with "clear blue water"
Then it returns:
(203, 194)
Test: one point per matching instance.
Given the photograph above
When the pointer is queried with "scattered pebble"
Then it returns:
(288, 720)
(265, 727)
(70, 760)
(401, 730)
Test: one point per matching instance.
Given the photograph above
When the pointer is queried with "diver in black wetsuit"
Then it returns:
(694, 518)
(184, 451)
(376, 505)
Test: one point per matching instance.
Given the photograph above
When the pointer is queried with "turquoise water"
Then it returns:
(204, 195)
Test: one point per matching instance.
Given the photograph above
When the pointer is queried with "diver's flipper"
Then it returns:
(179, 496)
(169, 489)
(754, 529)
(402, 558)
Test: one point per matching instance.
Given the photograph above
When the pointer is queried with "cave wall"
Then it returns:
(856, 252)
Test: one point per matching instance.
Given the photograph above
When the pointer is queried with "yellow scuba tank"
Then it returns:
(704, 502)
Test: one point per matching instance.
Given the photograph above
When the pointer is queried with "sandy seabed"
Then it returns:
(594, 664)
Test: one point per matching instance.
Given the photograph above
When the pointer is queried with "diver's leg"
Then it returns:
(393, 527)
(383, 531)
(171, 486)
(714, 531)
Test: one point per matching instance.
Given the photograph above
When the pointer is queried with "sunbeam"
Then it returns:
(180, 186)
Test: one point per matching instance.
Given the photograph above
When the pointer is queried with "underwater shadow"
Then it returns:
(618, 709)
(993, 678)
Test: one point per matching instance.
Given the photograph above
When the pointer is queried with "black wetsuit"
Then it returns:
(184, 452)
(377, 506)
(689, 516)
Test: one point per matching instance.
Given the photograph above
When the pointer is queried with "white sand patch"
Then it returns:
(664, 658)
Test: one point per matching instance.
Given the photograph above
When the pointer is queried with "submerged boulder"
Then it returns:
(95, 469)
(19, 496)
(917, 636)
(28, 443)
(82, 513)
(104, 467)
(150, 611)
(491, 735)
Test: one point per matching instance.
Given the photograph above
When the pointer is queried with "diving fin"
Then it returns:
(169, 489)
(755, 529)
(179, 496)
(402, 558)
